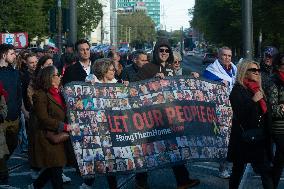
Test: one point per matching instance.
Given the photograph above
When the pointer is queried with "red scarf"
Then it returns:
(281, 76)
(3, 91)
(254, 87)
(56, 95)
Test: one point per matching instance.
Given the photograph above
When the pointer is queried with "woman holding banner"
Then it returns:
(104, 72)
(249, 138)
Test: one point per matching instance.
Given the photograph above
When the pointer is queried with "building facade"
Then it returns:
(151, 7)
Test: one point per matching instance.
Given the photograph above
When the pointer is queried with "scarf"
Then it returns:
(54, 92)
(254, 87)
(218, 70)
(3, 91)
(281, 76)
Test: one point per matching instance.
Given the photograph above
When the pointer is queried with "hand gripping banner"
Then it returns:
(148, 124)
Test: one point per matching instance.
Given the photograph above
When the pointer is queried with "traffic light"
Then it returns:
(52, 20)
(65, 20)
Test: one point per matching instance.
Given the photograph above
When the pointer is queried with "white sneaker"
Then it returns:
(85, 186)
(31, 186)
(35, 174)
(65, 178)
(6, 186)
(224, 174)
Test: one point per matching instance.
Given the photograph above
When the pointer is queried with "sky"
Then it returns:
(175, 14)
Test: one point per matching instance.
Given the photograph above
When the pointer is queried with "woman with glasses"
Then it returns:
(249, 113)
(50, 110)
(177, 65)
(104, 72)
(276, 99)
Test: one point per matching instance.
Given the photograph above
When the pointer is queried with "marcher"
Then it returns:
(104, 72)
(276, 100)
(249, 113)
(12, 84)
(139, 60)
(266, 65)
(82, 68)
(49, 108)
(223, 70)
(161, 67)
(177, 65)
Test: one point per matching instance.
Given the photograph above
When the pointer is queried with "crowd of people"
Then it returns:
(31, 101)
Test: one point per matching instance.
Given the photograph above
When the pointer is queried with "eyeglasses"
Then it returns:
(253, 70)
(176, 62)
(57, 74)
(165, 50)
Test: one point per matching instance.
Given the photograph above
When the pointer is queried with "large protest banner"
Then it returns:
(148, 124)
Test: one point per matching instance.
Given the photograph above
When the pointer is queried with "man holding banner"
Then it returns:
(160, 68)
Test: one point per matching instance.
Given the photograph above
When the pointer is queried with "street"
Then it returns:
(207, 172)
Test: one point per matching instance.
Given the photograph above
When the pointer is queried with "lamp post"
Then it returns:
(59, 27)
(247, 28)
(73, 21)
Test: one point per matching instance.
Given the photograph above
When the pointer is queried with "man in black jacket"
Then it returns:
(139, 60)
(12, 84)
(82, 68)
(161, 67)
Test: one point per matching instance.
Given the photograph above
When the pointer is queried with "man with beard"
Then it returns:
(12, 84)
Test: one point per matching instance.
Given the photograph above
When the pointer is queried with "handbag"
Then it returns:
(56, 138)
(252, 135)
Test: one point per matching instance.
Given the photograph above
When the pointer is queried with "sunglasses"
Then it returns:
(165, 50)
(176, 62)
(253, 70)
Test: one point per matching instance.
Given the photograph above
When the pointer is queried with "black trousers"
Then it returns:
(112, 183)
(278, 162)
(180, 171)
(238, 171)
(54, 174)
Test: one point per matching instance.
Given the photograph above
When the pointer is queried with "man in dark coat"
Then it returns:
(12, 84)
(82, 68)
(139, 60)
(161, 67)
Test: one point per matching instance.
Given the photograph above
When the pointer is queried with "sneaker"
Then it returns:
(6, 186)
(35, 174)
(31, 186)
(65, 178)
(190, 184)
(224, 174)
(85, 186)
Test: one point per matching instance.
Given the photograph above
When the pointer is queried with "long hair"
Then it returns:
(44, 78)
(242, 72)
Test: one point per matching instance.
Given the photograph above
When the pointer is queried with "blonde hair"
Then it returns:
(177, 55)
(243, 66)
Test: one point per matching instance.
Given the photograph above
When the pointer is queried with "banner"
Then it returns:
(148, 124)
(18, 39)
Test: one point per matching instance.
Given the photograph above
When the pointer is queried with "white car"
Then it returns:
(190, 53)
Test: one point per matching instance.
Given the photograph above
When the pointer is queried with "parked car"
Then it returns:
(209, 58)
